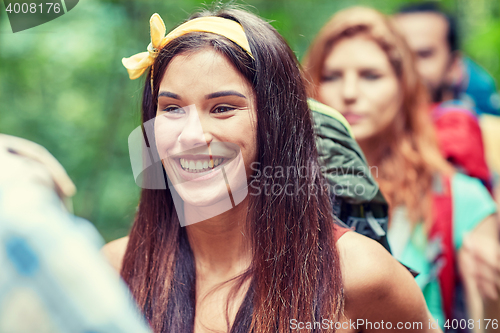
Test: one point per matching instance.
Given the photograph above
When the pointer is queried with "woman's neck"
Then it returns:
(219, 244)
(373, 148)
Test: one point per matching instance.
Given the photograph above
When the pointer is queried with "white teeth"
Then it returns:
(200, 165)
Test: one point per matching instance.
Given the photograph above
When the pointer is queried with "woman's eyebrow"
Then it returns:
(169, 94)
(224, 93)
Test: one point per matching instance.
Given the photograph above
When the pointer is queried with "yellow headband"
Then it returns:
(137, 64)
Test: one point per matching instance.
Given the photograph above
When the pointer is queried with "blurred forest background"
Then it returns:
(63, 86)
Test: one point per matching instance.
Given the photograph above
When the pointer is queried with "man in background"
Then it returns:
(458, 86)
(432, 35)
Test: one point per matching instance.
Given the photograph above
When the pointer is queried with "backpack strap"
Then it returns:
(442, 232)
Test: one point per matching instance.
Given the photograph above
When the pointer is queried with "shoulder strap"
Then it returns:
(442, 232)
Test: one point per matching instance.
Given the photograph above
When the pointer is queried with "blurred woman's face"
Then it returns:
(205, 128)
(358, 80)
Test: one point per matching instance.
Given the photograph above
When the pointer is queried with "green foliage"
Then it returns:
(62, 84)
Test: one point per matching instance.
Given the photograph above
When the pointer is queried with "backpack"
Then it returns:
(356, 198)
(460, 139)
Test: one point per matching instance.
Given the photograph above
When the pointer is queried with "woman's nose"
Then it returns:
(350, 89)
(194, 132)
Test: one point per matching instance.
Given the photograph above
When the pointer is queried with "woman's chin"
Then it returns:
(362, 133)
(200, 206)
(204, 198)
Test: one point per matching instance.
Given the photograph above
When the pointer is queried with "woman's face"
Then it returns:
(205, 128)
(358, 80)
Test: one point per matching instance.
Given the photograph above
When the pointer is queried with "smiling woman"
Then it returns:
(228, 101)
(205, 129)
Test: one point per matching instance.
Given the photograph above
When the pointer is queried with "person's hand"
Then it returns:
(485, 267)
(479, 266)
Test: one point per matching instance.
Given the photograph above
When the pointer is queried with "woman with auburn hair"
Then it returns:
(360, 65)
(225, 97)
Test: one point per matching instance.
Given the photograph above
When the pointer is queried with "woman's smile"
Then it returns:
(200, 164)
(205, 128)
(198, 167)
(203, 163)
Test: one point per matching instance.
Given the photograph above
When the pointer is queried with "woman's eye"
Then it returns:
(173, 109)
(330, 77)
(223, 109)
(371, 76)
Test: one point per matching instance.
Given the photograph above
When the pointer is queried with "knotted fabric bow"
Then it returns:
(137, 64)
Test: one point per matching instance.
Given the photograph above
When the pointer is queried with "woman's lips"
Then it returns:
(353, 118)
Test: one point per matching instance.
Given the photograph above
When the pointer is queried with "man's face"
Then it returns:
(426, 34)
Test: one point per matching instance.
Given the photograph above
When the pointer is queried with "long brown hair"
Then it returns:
(408, 157)
(295, 272)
